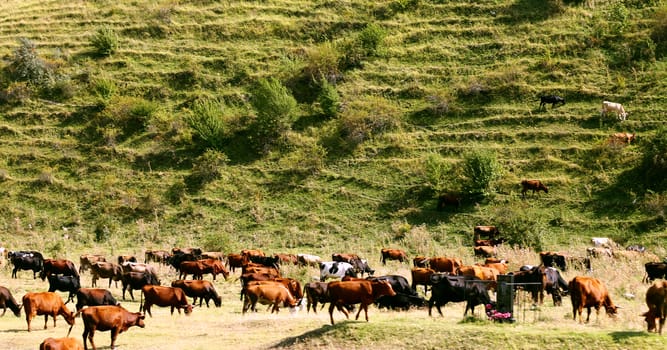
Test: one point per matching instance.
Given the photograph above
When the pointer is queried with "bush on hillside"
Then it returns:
(479, 170)
(366, 117)
(276, 110)
(329, 99)
(103, 87)
(28, 66)
(659, 32)
(16, 93)
(208, 123)
(653, 166)
(368, 43)
(438, 173)
(104, 42)
(123, 116)
(205, 169)
(322, 62)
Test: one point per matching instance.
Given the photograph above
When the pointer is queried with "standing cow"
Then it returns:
(47, 304)
(587, 292)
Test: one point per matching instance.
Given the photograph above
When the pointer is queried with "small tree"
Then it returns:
(329, 99)
(438, 171)
(27, 66)
(276, 109)
(104, 41)
(207, 121)
(480, 169)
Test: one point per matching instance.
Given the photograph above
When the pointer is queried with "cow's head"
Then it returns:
(649, 317)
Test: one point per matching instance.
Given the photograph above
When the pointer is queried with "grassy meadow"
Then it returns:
(134, 125)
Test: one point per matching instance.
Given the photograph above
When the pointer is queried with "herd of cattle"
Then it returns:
(447, 280)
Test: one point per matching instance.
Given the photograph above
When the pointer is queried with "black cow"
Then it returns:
(94, 297)
(551, 259)
(26, 260)
(176, 259)
(69, 284)
(405, 297)
(655, 270)
(446, 288)
(7, 301)
(268, 261)
(553, 99)
(136, 280)
(556, 285)
(361, 266)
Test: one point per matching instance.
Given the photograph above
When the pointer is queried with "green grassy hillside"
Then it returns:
(97, 148)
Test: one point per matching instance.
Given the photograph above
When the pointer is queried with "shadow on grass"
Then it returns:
(314, 334)
(625, 335)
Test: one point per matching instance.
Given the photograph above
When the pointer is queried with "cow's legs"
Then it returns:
(46, 320)
(28, 318)
(331, 308)
(114, 335)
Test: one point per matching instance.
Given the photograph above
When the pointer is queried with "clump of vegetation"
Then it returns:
(126, 115)
(479, 170)
(208, 122)
(276, 110)
(659, 32)
(368, 43)
(205, 169)
(28, 66)
(103, 87)
(438, 173)
(104, 41)
(329, 99)
(366, 117)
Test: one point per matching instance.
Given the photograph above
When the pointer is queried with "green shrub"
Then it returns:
(329, 99)
(205, 169)
(618, 18)
(129, 114)
(522, 229)
(103, 87)
(16, 93)
(371, 39)
(480, 169)
(322, 62)
(659, 32)
(438, 172)
(207, 121)
(104, 41)
(26, 65)
(653, 166)
(276, 110)
(365, 117)
(61, 89)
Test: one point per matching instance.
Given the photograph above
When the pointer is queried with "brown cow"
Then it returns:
(534, 185)
(420, 261)
(204, 290)
(252, 252)
(344, 293)
(621, 138)
(47, 304)
(200, 267)
(481, 272)
(393, 254)
(656, 300)
(421, 275)
(587, 292)
(7, 301)
(108, 270)
(108, 318)
(268, 294)
(235, 261)
(58, 266)
(316, 292)
(292, 285)
(502, 268)
(485, 232)
(126, 258)
(165, 296)
(158, 256)
(61, 344)
(485, 251)
(213, 255)
(87, 260)
(345, 257)
(287, 258)
(443, 264)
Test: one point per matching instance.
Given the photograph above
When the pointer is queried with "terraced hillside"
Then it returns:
(102, 151)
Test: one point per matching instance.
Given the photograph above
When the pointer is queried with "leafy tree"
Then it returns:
(207, 121)
(480, 169)
(276, 110)
(329, 99)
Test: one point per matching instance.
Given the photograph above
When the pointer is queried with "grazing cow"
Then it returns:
(61, 344)
(555, 285)
(553, 259)
(489, 242)
(405, 297)
(139, 267)
(421, 276)
(126, 258)
(7, 301)
(108, 318)
(636, 248)
(69, 284)
(137, 280)
(393, 254)
(158, 256)
(26, 260)
(654, 270)
(449, 199)
(189, 250)
(656, 300)
(213, 255)
(448, 288)
(47, 304)
(286, 258)
(94, 297)
(234, 261)
(599, 252)
(485, 232)
(308, 260)
(87, 260)
(587, 292)
(58, 266)
(604, 242)
(336, 269)
(621, 138)
(342, 293)
(344, 257)
(420, 261)
(485, 251)
(482, 273)
(108, 270)
(165, 296)
(268, 294)
(443, 264)
(534, 185)
(204, 290)
(360, 265)
(252, 252)
(535, 279)
(501, 267)
(613, 107)
(200, 267)
(553, 99)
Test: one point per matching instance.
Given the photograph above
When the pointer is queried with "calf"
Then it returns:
(613, 107)
(108, 318)
(553, 99)
(656, 300)
(47, 304)
(534, 185)
(69, 284)
(342, 293)
(204, 290)
(94, 297)
(165, 296)
(7, 301)
(587, 292)
(61, 344)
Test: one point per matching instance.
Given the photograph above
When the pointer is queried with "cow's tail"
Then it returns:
(72, 325)
(141, 298)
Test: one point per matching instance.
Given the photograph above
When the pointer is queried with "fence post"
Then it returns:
(505, 295)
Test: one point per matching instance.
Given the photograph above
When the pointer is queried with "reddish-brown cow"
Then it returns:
(344, 293)
(47, 304)
(485, 251)
(7, 301)
(108, 270)
(442, 264)
(165, 296)
(108, 318)
(58, 266)
(420, 261)
(393, 254)
(61, 344)
(421, 275)
(268, 294)
(534, 185)
(204, 290)
(235, 261)
(87, 260)
(587, 292)
(656, 300)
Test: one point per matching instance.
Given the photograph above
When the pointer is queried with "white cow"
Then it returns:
(603, 242)
(614, 107)
(336, 269)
